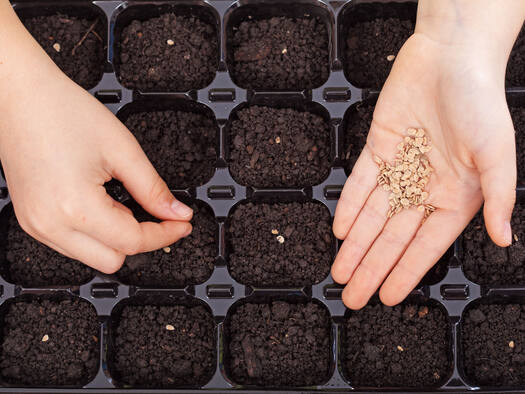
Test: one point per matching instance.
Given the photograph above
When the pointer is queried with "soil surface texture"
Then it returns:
(180, 145)
(486, 263)
(31, 264)
(272, 147)
(515, 75)
(168, 53)
(357, 127)
(281, 244)
(81, 57)
(164, 346)
(493, 344)
(518, 118)
(278, 344)
(280, 53)
(403, 346)
(188, 261)
(371, 48)
(50, 343)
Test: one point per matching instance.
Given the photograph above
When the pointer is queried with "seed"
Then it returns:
(390, 57)
(511, 344)
(421, 208)
(169, 327)
(277, 140)
(280, 239)
(400, 348)
(170, 42)
(516, 237)
(167, 249)
(45, 338)
(56, 46)
(284, 51)
(275, 231)
(423, 312)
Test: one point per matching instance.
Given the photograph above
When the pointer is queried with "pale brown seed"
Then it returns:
(390, 58)
(170, 42)
(275, 231)
(45, 338)
(400, 348)
(167, 249)
(511, 344)
(56, 46)
(280, 239)
(169, 327)
(277, 140)
(516, 237)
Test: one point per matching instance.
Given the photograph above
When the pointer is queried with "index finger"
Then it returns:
(117, 228)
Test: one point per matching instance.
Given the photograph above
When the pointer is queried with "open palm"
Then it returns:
(460, 101)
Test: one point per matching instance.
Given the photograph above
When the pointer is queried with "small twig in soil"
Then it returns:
(84, 37)
(96, 35)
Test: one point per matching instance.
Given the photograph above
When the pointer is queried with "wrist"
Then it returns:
(481, 26)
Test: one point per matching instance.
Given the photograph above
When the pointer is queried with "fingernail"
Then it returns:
(180, 209)
(507, 233)
(188, 231)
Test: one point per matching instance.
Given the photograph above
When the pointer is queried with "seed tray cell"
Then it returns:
(219, 94)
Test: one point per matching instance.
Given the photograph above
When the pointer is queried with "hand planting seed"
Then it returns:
(407, 178)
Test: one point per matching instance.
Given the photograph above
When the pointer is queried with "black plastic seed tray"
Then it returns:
(334, 100)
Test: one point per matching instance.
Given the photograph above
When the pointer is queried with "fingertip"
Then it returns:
(180, 211)
(113, 264)
(498, 228)
(187, 230)
(352, 299)
(387, 297)
(339, 231)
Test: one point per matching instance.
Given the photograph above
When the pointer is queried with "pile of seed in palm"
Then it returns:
(407, 178)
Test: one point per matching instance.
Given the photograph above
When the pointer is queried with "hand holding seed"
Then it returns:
(413, 191)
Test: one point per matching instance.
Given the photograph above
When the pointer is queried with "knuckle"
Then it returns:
(392, 238)
(113, 263)
(134, 242)
(158, 189)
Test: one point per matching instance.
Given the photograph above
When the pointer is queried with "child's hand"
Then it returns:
(454, 89)
(58, 147)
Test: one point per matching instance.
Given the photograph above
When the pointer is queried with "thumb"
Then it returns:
(496, 162)
(130, 165)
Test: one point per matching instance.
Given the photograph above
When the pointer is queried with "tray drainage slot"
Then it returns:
(332, 292)
(455, 292)
(219, 291)
(221, 95)
(337, 94)
(104, 290)
(109, 96)
(221, 192)
(332, 192)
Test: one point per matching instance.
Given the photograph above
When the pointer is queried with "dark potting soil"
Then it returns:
(272, 147)
(188, 261)
(61, 37)
(492, 344)
(180, 145)
(369, 48)
(357, 127)
(50, 343)
(164, 346)
(281, 244)
(518, 118)
(31, 264)
(278, 344)
(403, 346)
(515, 76)
(486, 263)
(280, 53)
(168, 53)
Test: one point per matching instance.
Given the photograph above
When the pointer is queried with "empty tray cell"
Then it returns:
(515, 76)
(486, 263)
(283, 47)
(405, 346)
(356, 125)
(74, 37)
(166, 48)
(49, 342)
(280, 244)
(279, 147)
(188, 261)
(492, 344)
(371, 37)
(278, 343)
(518, 117)
(180, 142)
(163, 346)
(30, 263)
